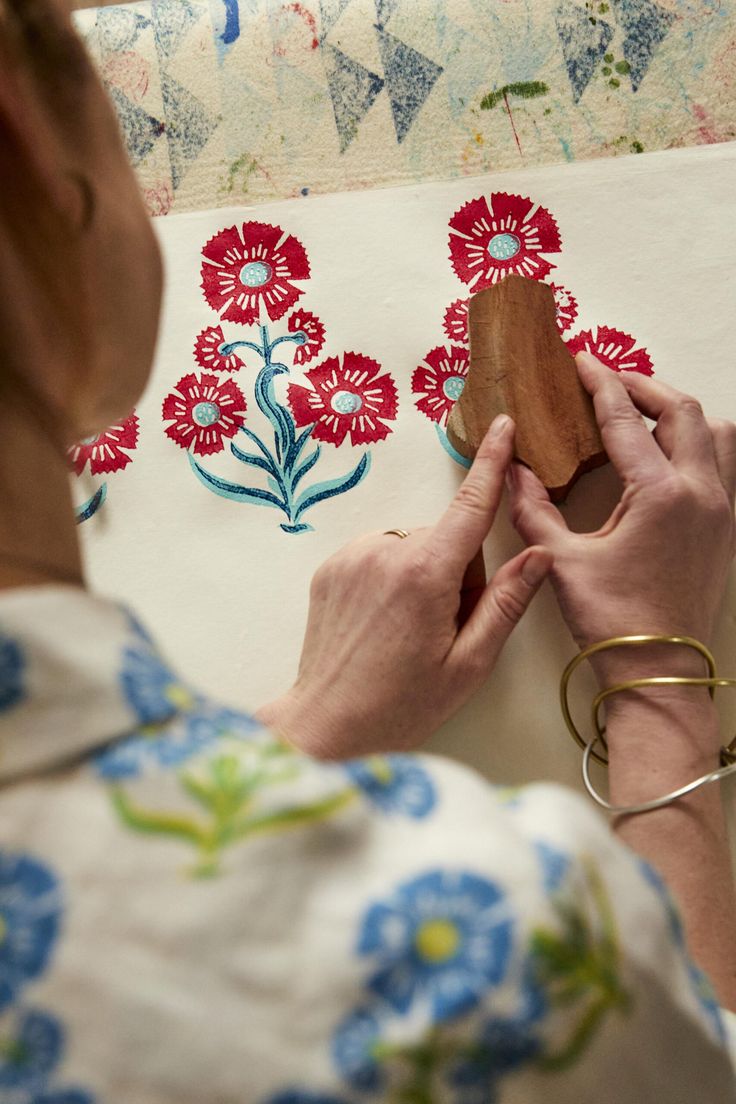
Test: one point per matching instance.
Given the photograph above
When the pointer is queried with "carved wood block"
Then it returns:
(519, 365)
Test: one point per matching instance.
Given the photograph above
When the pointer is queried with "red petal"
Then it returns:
(547, 230)
(222, 246)
(509, 211)
(436, 406)
(301, 400)
(331, 429)
(367, 430)
(466, 219)
(295, 256)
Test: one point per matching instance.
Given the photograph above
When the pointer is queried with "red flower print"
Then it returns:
(500, 235)
(251, 267)
(309, 324)
(207, 352)
(346, 398)
(105, 452)
(440, 381)
(203, 412)
(566, 305)
(614, 348)
(456, 321)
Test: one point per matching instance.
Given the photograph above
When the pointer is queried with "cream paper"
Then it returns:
(647, 247)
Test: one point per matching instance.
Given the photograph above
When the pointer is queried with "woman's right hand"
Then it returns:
(660, 562)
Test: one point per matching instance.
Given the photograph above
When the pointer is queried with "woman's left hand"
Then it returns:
(402, 632)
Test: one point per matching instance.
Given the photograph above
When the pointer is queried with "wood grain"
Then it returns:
(519, 365)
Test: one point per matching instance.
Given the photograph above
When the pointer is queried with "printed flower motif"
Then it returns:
(614, 348)
(346, 398)
(456, 321)
(299, 1096)
(555, 865)
(12, 668)
(395, 784)
(251, 267)
(29, 922)
(106, 451)
(158, 697)
(354, 1051)
(440, 381)
(444, 937)
(31, 1053)
(204, 412)
(566, 305)
(503, 1046)
(501, 235)
(311, 326)
(207, 352)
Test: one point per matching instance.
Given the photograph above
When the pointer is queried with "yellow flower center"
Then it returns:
(179, 696)
(437, 940)
(381, 770)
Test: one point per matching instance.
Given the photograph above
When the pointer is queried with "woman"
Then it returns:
(192, 909)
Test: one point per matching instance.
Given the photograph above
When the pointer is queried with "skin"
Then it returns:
(400, 633)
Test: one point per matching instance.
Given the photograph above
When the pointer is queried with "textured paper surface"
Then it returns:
(647, 246)
(230, 101)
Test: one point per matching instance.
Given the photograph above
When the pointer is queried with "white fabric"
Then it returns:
(190, 911)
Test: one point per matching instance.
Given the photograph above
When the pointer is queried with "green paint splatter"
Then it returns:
(608, 58)
(527, 91)
(636, 147)
(607, 70)
(245, 164)
(622, 67)
(614, 83)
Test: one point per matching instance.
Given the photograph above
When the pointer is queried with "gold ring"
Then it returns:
(401, 533)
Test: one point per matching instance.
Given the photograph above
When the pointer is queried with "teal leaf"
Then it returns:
(331, 487)
(306, 467)
(247, 458)
(233, 490)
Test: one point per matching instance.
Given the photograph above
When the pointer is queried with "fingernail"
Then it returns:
(500, 425)
(535, 568)
(586, 359)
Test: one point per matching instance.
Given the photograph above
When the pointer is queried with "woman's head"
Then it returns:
(80, 268)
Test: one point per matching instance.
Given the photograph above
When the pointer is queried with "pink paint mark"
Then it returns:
(308, 18)
(128, 72)
(706, 133)
(159, 199)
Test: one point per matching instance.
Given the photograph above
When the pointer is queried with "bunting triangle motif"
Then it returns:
(410, 78)
(583, 44)
(353, 88)
(645, 25)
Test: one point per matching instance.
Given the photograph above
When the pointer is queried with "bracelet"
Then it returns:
(727, 754)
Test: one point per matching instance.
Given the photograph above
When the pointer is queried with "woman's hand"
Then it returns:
(402, 632)
(79, 263)
(660, 563)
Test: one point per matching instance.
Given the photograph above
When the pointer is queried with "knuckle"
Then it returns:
(509, 604)
(689, 406)
(472, 498)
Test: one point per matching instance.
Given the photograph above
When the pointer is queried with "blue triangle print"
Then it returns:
(384, 10)
(189, 127)
(645, 25)
(330, 11)
(410, 77)
(353, 88)
(583, 44)
(118, 28)
(172, 20)
(140, 130)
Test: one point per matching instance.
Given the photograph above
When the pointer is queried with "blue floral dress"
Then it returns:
(191, 911)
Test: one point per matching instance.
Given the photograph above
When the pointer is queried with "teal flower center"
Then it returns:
(503, 247)
(346, 402)
(206, 413)
(255, 274)
(453, 387)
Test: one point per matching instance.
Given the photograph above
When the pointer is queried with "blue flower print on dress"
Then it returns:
(444, 937)
(554, 863)
(504, 1045)
(298, 1096)
(395, 783)
(29, 922)
(29, 1052)
(156, 695)
(12, 668)
(354, 1050)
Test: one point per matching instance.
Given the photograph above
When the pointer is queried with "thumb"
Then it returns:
(503, 604)
(533, 515)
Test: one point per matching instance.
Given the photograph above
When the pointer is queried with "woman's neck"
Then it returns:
(39, 543)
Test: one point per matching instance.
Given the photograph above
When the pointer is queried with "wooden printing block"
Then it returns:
(519, 365)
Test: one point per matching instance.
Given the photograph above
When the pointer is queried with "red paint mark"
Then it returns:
(308, 18)
(511, 120)
(707, 135)
(159, 199)
(129, 72)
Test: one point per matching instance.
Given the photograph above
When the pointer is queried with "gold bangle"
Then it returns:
(727, 753)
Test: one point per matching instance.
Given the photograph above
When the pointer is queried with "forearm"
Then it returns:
(657, 742)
